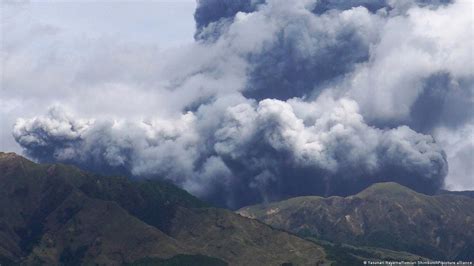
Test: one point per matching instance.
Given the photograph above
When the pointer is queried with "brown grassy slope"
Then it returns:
(384, 215)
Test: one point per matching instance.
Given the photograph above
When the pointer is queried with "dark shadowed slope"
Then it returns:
(51, 214)
(385, 215)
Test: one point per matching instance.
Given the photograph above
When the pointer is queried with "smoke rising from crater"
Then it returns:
(278, 99)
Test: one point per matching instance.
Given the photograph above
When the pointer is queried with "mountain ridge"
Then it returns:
(385, 215)
(54, 214)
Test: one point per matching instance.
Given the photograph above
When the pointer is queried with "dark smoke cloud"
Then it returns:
(443, 101)
(306, 51)
(217, 13)
(301, 52)
(284, 98)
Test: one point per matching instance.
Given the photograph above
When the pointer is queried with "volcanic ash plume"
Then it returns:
(285, 98)
(248, 152)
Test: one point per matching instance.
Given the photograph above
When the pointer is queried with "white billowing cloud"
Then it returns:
(332, 137)
(459, 147)
(56, 125)
(412, 48)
